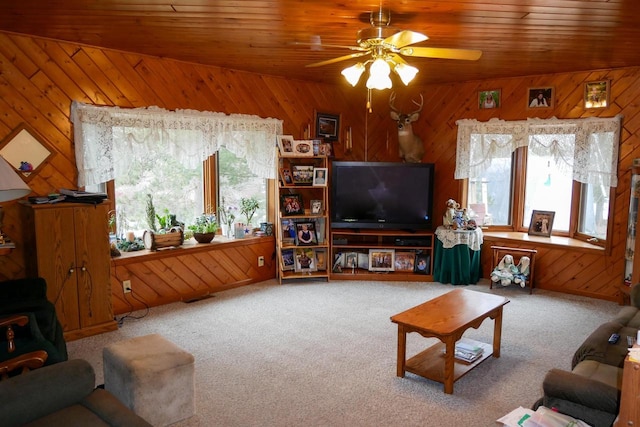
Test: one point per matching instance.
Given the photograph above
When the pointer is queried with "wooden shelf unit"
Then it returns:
(363, 240)
(286, 243)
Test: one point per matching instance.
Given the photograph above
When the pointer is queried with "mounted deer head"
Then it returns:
(409, 144)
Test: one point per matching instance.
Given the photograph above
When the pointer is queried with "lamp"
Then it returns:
(379, 75)
(379, 72)
(11, 187)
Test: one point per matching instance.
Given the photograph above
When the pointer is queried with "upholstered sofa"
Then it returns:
(591, 391)
(63, 394)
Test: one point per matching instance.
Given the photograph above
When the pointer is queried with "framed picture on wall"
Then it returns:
(489, 99)
(327, 126)
(596, 94)
(540, 97)
(541, 223)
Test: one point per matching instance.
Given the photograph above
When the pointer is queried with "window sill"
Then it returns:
(188, 247)
(539, 241)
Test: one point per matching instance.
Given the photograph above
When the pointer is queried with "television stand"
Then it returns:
(362, 254)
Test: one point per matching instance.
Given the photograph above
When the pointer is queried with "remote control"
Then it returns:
(614, 338)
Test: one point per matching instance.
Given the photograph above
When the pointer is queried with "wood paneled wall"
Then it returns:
(39, 78)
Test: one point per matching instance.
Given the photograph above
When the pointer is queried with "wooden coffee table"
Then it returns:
(446, 318)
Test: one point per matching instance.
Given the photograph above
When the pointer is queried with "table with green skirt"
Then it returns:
(457, 256)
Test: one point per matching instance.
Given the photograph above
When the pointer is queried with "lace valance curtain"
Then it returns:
(107, 139)
(588, 147)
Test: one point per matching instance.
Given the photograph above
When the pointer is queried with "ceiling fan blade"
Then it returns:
(443, 53)
(320, 46)
(338, 59)
(404, 38)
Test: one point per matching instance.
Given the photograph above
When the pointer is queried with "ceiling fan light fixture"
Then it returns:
(379, 75)
(353, 73)
(406, 72)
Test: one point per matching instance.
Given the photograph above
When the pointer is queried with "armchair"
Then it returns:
(31, 325)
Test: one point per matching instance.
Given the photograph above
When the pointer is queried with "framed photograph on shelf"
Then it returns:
(285, 145)
(288, 228)
(287, 260)
(351, 260)
(327, 126)
(338, 262)
(306, 233)
(316, 207)
(325, 149)
(302, 174)
(540, 97)
(286, 177)
(541, 223)
(596, 94)
(305, 261)
(291, 204)
(422, 264)
(405, 261)
(320, 229)
(316, 146)
(320, 177)
(303, 148)
(321, 258)
(489, 99)
(381, 259)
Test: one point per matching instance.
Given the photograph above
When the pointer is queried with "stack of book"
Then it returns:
(468, 350)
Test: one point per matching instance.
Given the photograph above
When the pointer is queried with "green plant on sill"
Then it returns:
(227, 214)
(205, 223)
(165, 220)
(248, 207)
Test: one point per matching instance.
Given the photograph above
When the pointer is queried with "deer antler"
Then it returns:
(418, 104)
(392, 100)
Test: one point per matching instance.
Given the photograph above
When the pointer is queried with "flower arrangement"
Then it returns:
(227, 214)
(248, 207)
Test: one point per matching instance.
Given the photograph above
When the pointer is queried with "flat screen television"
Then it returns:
(382, 195)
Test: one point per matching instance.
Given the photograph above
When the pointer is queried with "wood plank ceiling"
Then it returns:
(517, 37)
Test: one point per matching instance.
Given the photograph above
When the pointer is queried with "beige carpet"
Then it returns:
(324, 354)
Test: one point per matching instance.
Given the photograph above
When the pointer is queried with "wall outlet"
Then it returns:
(260, 261)
(126, 286)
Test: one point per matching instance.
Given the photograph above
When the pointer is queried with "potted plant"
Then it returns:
(227, 217)
(204, 228)
(248, 207)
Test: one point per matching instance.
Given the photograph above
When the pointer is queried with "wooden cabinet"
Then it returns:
(302, 228)
(407, 256)
(69, 247)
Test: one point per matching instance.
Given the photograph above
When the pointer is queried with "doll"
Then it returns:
(505, 271)
(523, 271)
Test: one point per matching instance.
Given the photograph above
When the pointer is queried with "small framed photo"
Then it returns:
(316, 146)
(327, 126)
(303, 148)
(422, 264)
(540, 97)
(285, 145)
(541, 223)
(596, 94)
(316, 207)
(338, 262)
(306, 233)
(288, 229)
(319, 177)
(285, 175)
(325, 149)
(405, 261)
(351, 260)
(305, 261)
(287, 260)
(291, 204)
(302, 174)
(321, 258)
(489, 99)
(381, 259)
(363, 261)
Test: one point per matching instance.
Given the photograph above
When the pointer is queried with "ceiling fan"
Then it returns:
(386, 46)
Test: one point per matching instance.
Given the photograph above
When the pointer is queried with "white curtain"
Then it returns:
(589, 146)
(107, 139)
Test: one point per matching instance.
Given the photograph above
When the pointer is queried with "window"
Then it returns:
(565, 166)
(151, 151)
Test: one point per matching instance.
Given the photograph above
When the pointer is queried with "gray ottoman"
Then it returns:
(153, 377)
